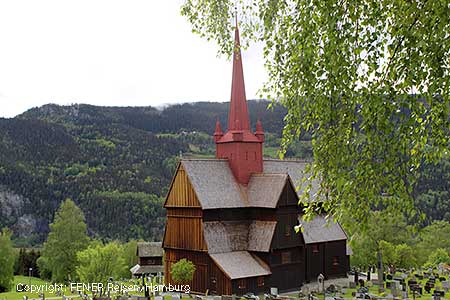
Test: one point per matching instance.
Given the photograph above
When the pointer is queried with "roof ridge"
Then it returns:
(284, 174)
(293, 159)
(204, 159)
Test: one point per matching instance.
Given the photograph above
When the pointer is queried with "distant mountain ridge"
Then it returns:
(115, 162)
(199, 116)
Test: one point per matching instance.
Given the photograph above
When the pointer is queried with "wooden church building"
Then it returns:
(234, 216)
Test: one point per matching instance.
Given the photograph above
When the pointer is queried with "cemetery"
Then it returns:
(432, 284)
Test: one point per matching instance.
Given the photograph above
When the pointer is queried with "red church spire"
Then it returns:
(238, 116)
(239, 145)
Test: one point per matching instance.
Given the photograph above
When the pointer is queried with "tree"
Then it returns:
(7, 258)
(67, 236)
(369, 80)
(437, 257)
(366, 243)
(183, 271)
(405, 256)
(130, 257)
(389, 255)
(100, 262)
(431, 238)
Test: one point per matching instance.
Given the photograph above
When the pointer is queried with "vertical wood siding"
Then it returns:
(181, 193)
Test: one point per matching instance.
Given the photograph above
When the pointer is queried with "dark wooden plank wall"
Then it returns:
(323, 262)
(157, 260)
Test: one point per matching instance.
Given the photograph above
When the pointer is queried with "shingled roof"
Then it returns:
(153, 269)
(216, 187)
(265, 189)
(260, 235)
(240, 264)
(296, 171)
(320, 230)
(228, 236)
(149, 249)
(213, 183)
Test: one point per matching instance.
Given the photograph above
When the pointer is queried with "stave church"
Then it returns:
(233, 216)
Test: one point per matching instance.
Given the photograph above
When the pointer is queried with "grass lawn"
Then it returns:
(14, 295)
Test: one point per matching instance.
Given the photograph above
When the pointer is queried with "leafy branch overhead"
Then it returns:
(369, 80)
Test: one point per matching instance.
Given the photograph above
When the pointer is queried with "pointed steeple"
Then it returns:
(239, 145)
(238, 118)
(218, 133)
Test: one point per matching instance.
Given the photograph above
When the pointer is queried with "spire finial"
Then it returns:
(238, 103)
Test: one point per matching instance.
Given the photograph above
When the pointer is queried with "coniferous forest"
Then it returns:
(116, 163)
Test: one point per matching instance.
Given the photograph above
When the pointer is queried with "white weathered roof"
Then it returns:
(240, 264)
(296, 171)
(216, 187)
(318, 230)
(227, 236)
(149, 249)
(265, 189)
(213, 183)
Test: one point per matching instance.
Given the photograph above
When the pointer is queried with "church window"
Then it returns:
(286, 257)
(315, 248)
(260, 281)
(242, 284)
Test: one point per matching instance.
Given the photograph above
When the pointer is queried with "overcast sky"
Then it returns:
(110, 52)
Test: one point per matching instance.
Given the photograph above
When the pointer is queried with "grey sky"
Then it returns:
(110, 52)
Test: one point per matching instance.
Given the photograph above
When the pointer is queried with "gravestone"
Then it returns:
(445, 285)
(217, 297)
(177, 297)
(321, 283)
(274, 291)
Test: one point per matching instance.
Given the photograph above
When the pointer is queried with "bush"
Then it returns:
(183, 271)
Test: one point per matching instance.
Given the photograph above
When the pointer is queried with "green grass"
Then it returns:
(13, 294)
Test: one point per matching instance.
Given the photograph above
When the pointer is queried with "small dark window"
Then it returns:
(315, 248)
(287, 230)
(242, 284)
(335, 261)
(285, 257)
(260, 281)
(246, 155)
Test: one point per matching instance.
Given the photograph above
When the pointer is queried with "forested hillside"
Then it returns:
(116, 163)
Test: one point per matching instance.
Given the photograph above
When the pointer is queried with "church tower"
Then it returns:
(242, 147)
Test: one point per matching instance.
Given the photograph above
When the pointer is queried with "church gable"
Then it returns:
(288, 197)
(181, 192)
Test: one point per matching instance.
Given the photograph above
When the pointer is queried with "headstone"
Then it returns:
(351, 284)
(25, 297)
(321, 283)
(404, 295)
(445, 285)
(177, 297)
(274, 291)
